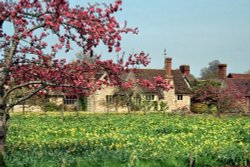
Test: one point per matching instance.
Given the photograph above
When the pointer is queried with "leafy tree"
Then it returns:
(210, 72)
(29, 60)
(248, 72)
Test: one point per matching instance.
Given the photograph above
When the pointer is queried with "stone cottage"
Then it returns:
(113, 99)
(110, 98)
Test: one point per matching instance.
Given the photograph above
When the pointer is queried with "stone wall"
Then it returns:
(58, 100)
(248, 104)
(97, 101)
(173, 103)
(26, 108)
(170, 99)
(184, 103)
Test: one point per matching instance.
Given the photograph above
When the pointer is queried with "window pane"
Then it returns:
(70, 100)
(109, 99)
(180, 97)
(150, 97)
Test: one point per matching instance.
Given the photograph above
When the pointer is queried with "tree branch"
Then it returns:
(32, 29)
(39, 82)
(26, 97)
(20, 86)
(32, 15)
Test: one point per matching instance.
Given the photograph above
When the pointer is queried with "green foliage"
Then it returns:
(136, 106)
(158, 106)
(199, 108)
(50, 106)
(83, 103)
(212, 109)
(163, 107)
(127, 140)
(248, 72)
(199, 84)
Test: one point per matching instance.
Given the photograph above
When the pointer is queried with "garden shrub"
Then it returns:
(49, 106)
(70, 107)
(199, 108)
(212, 109)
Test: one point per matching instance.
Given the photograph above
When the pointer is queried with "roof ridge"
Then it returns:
(239, 73)
(149, 69)
(154, 69)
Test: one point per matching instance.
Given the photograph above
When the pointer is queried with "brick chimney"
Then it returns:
(168, 67)
(222, 71)
(185, 69)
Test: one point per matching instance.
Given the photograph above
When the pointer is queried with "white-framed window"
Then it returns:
(150, 97)
(70, 100)
(179, 97)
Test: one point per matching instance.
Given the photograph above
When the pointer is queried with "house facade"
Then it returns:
(113, 99)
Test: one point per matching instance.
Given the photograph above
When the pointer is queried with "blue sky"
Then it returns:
(194, 32)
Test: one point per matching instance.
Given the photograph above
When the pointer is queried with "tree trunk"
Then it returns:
(218, 110)
(23, 108)
(144, 110)
(191, 159)
(3, 133)
(4, 116)
(107, 108)
(129, 103)
(129, 106)
(62, 111)
(78, 106)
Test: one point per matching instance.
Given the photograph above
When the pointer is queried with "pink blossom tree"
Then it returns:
(29, 60)
(226, 96)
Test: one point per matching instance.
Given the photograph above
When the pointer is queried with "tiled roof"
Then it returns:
(98, 75)
(240, 80)
(149, 74)
(242, 84)
(181, 86)
(238, 76)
